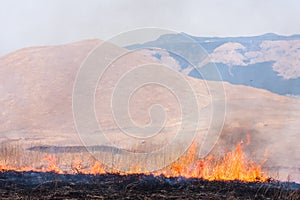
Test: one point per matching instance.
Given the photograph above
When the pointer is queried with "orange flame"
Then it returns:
(97, 168)
(233, 165)
(51, 167)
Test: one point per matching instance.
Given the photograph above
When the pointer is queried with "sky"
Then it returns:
(52, 22)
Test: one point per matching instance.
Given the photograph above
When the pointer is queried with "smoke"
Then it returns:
(34, 23)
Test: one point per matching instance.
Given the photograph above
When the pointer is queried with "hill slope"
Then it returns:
(36, 104)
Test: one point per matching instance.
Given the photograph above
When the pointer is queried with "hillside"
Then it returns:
(36, 106)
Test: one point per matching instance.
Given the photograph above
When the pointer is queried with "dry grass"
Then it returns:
(18, 155)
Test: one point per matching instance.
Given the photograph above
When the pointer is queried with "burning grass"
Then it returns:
(233, 165)
(65, 175)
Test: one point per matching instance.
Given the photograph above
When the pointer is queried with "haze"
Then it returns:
(33, 22)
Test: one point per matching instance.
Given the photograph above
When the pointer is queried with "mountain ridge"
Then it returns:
(277, 57)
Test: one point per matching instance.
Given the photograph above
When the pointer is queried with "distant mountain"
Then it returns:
(268, 61)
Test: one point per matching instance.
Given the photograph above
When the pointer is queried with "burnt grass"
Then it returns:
(36, 185)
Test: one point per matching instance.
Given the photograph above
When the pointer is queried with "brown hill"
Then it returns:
(36, 105)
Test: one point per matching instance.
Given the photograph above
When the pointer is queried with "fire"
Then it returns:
(233, 165)
(97, 168)
(51, 166)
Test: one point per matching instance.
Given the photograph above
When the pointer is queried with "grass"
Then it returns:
(17, 155)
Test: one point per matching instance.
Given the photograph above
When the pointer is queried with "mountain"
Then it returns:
(36, 105)
(268, 61)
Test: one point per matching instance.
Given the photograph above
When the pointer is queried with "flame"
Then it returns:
(233, 165)
(97, 168)
(51, 165)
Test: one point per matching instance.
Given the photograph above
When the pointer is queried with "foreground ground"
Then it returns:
(32, 185)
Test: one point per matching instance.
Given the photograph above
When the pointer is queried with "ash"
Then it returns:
(36, 185)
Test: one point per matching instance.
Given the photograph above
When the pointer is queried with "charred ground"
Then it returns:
(34, 185)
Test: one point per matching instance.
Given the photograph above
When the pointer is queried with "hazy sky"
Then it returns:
(44, 22)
